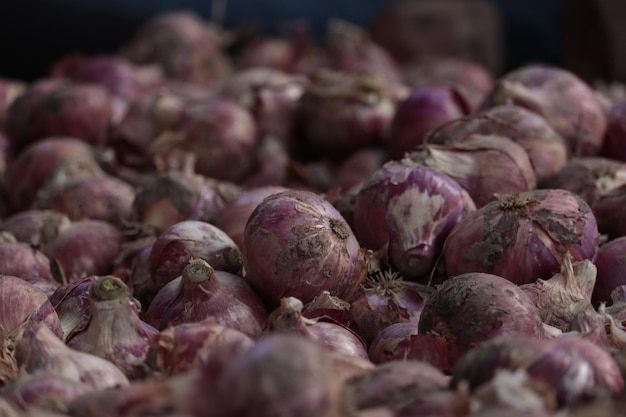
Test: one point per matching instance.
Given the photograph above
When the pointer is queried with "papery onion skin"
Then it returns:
(202, 292)
(609, 213)
(468, 309)
(297, 244)
(71, 302)
(189, 239)
(523, 236)
(611, 264)
(35, 227)
(561, 97)
(44, 392)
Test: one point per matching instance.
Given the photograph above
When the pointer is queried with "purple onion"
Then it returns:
(615, 139)
(611, 264)
(296, 244)
(10, 90)
(71, 302)
(202, 292)
(35, 227)
(609, 213)
(44, 392)
(24, 261)
(523, 236)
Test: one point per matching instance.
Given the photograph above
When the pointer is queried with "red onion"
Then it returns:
(359, 166)
(342, 112)
(570, 366)
(40, 352)
(233, 217)
(54, 160)
(71, 302)
(86, 247)
(546, 149)
(173, 197)
(282, 375)
(23, 261)
(484, 165)
(179, 349)
(350, 49)
(22, 304)
(561, 97)
(427, 108)
(44, 392)
(412, 208)
(564, 296)
(115, 331)
(384, 300)
(588, 177)
(609, 213)
(10, 90)
(401, 342)
(614, 145)
(131, 254)
(327, 307)
(202, 292)
(80, 110)
(105, 198)
(185, 46)
(219, 133)
(47, 287)
(181, 242)
(390, 383)
(471, 308)
(271, 165)
(296, 244)
(140, 281)
(604, 327)
(35, 227)
(523, 236)
(288, 318)
(611, 264)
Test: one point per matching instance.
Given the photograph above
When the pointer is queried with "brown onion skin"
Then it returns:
(608, 210)
(561, 97)
(86, 247)
(53, 160)
(523, 236)
(23, 261)
(546, 149)
(35, 227)
(471, 308)
(202, 292)
(182, 241)
(611, 265)
(234, 215)
(427, 108)
(297, 244)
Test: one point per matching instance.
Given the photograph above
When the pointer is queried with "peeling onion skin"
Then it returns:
(43, 392)
(523, 236)
(562, 98)
(471, 308)
(297, 244)
(71, 302)
(202, 292)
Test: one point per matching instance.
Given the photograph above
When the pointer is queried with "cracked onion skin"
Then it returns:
(523, 236)
(296, 244)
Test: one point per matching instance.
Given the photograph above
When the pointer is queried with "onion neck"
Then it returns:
(515, 202)
(108, 288)
(288, 317)
(197, 272)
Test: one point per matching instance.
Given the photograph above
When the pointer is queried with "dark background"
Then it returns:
(35, 33)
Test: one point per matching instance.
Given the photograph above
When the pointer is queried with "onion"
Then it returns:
(523, 236)
(10, 90)
(181, 242)
(412, 208)
(401, 342)
(47, 287)
(484, 165)
(471, 308)
(359, 166)
(588, 177)
(23, 261)
(202, 292)
(234, 215)
(340, 113)
(288, 318)
(40, 352)
(22, 304)
(611, 265)
(384, 300)
(281, 375)
(179, 349)
(80, 110)
(603, 328)
(54, 160)
(427, 108)
(35, 227)
(607, 208)
(105, 198)
(71, 302)
(327, 307)
(614, 145)
(44, 392)
(220, 134)
(86, 247)
(562, 98)
(131, 254)
(296, 244)
(185, 46)
(173, 197)
(272, 163)
(547, 150)
(115, 331)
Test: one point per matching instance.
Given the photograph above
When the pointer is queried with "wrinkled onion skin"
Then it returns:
(471, 308)
(297, 244)
(525, 243)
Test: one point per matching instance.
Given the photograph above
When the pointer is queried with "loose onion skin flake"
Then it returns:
(523, 236)
(297, 244)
